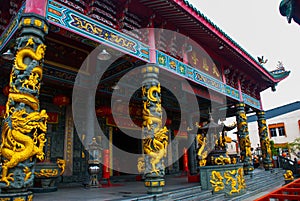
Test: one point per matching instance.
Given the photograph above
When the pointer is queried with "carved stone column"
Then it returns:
(264, 140)
(243, 134)
(155, 137)
(25, 125)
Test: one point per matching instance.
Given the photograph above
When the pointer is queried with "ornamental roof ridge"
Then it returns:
(200, 14)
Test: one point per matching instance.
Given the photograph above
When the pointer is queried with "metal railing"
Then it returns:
(288, 164)
(290, 191)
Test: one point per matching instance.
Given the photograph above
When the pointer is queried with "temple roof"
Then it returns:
(281, 110)
(274, 77)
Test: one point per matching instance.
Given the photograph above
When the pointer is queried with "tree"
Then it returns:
(295, 147)
(273, 149)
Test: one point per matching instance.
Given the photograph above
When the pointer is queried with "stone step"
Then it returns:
(193, 196)
(269, 178)
(256, 191)
(251, 184)
(184, 192)
(260, 184)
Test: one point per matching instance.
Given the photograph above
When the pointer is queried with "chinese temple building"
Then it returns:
(63, 62)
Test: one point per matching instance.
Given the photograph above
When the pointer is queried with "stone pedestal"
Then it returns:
(24, 196)
(46, 174)
(228, 179)
(154, 185)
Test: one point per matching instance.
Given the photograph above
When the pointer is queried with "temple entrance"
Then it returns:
(126, 143)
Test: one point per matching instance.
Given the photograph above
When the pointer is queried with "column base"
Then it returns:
(154, 185)
(25, 196)
(248, 170)
(268, 166)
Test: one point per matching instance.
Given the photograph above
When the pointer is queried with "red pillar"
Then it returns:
(38, 7)
(105, 168)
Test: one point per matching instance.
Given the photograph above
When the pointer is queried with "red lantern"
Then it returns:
(61, 100)
(5, 90)
(168, 122)
(103, 111)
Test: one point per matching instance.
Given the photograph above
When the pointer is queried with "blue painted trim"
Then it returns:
(66, 18)
(11, 29)
(76, 22)
(277, 111)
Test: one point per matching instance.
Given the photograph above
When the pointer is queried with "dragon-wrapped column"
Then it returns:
(243, 134)
(25, 125)
(264, 140)
(155, 137)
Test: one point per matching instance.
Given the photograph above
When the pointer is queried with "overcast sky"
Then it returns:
(258, 27)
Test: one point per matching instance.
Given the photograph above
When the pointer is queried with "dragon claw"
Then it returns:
(155, 171)
(7, 179)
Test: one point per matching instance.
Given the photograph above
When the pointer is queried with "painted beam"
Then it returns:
(75, 22)
(11, 29)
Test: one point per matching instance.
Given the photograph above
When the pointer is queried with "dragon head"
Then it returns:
(25, 122)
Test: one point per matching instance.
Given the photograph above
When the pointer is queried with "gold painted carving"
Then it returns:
(266, 146)
(202, 155)
(61, 163)
(246, 145)
(16, 145)
(234, 178)
(27, 172)
(221, 160)
(217, 181)
(156, 147)
(47, 173)
(29, 52)
(241, 179)
(288, 175)
(141, 165)
(19, 199)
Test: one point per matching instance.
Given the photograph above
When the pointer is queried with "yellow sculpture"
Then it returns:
(61, 163)
(288, 175)
(16, 145)
(47, 173)
(221, 160)
(202, 143)
(241, 179)
(266, 146)
(230, 177)
(246, 144)
(141, 164)
(217, 181)
(29, 52)
(156, 147)
(150, 119)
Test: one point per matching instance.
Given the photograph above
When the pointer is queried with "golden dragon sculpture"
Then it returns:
(230, 177)
(16, 145)
(29, 52)
(201, 153)
(156, 147)
(150, 119)
(217, 181)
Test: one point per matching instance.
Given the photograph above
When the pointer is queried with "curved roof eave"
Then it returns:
(184, 4)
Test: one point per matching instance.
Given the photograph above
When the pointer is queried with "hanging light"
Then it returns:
(8, 55)
(104, 55)
(115, 87)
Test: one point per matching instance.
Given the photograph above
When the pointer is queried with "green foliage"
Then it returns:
(275, 151)
(295, 147)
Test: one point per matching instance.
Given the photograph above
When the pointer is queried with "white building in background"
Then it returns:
(283, 127)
